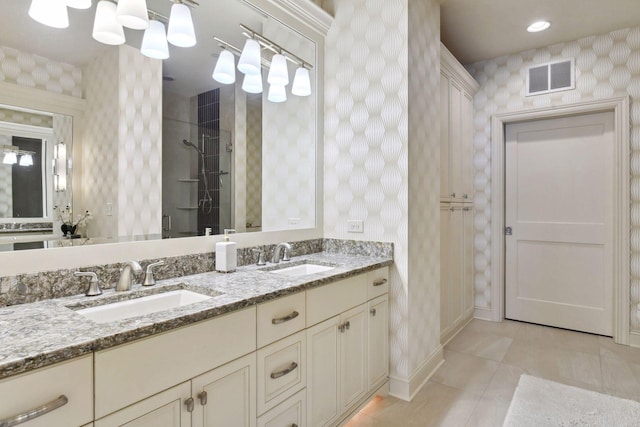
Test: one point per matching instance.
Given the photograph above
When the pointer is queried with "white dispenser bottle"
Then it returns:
(226, 254)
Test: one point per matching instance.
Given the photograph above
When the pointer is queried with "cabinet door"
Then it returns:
(445, 220)
(445, 193)
(467, 251)
(353, 351)
(455, 141)
(455, 286)
(466, 144)
(323, 372)
(377, 343)
(226, 396)
(289, 413)
(166, 409)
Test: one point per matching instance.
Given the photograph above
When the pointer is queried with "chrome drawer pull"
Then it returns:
(380, 282)
(280, 320)
(291, 368)
(35, 412)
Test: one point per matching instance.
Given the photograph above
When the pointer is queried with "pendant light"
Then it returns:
(79, 4)
(10, 158)
(52, 13)
(278, 73)
(133, 14)
(277, 93)
(249, 62)
(301, 83)
(26, 160)
(225, 69)
(154, 41)
(105, 27)
(252, 83)
(181, 32)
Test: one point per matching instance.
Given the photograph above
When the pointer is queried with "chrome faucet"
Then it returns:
(126, 277)
(276, 253)
(94, 286)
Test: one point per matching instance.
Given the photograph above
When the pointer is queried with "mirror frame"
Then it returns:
(307, 19)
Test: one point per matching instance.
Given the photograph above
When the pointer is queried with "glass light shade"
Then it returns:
(225, 70)
(154, 41)
(278, 73)
(538, 26)
(133, 14)
(26, 160)
(252, 83)
(301, 83)
(10, 158)
(105, 27)
(277, 93)
(181, 32)
(52, 13)
(249, 62)
(79, 4)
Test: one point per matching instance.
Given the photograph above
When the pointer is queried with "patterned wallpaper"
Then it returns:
(606, 66)
(240, 171)
(63, 132)
(25, 118)
(375, 133)
(6, 188)
(254, 160)
(288, 145)
(26, 69)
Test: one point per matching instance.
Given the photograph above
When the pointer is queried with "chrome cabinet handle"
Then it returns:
(291, 368)
(35, 412)
(189, 403)
(202, 396)
(380, 282)
(284, 319)
(373, 312)
(347, 325)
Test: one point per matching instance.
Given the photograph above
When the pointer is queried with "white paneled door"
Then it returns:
(559, 193)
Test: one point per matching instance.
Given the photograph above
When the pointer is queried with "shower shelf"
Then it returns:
(187, 208)
(187, 180)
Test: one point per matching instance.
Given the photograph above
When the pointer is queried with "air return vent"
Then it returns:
(550, 77)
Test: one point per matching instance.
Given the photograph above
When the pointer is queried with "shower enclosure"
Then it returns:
(197, 179)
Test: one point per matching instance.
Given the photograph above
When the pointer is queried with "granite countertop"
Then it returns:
(43, 333)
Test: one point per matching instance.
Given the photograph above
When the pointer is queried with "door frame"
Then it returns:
(622, 203)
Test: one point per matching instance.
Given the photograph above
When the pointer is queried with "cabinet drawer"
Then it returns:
(330, 300)
(73, 379)
(289, 413)
(377, 283)
(131, 372)
(280, 318)
(281, 371)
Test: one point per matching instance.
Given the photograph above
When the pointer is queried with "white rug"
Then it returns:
(539, 402)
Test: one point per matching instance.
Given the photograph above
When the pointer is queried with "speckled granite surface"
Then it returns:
(46, 332)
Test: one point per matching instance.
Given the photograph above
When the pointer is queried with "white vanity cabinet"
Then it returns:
(346, 360)
(65, 389)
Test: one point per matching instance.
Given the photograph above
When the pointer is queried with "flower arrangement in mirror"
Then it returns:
(69, 227)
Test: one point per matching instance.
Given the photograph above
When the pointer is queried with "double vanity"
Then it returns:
(303, 342)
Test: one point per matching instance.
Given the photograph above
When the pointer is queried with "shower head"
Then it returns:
(190, 144)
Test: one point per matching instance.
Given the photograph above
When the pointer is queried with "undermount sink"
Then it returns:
(302, 270)
(141, 306)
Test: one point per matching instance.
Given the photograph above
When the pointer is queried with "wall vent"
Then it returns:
(551, 77)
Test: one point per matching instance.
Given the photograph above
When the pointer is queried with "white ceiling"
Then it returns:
(475, 30)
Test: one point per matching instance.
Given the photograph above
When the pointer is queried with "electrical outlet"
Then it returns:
(355, 226)
(294, 221)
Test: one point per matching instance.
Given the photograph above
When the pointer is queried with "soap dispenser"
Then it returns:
(226, 254)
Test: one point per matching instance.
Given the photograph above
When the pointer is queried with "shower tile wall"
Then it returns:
(209, 126)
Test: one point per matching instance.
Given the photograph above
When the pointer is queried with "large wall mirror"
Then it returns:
(153, 148)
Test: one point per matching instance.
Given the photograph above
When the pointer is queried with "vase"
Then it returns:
(68, 229)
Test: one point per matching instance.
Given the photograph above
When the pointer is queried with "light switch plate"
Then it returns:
(355, 226)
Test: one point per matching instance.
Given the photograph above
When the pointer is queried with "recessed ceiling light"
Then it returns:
(538, 26)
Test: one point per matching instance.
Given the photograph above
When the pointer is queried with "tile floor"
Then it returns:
(484, 362)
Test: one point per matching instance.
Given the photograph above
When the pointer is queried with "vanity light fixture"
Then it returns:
(181, 32)
(79, 4)
(52, 13)
(60, 167)
(278, 73)
(538, 26)
(277, 93)
(154, 41)
(11, 153)
(252, 83)
(26, 160)
(301, 82)
(133, 14)
(225, 69)
(106, 28)
(249, 62)
(10, 158)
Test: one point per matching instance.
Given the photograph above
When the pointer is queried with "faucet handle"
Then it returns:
(94, 286)
(149, 280)
(260, 253)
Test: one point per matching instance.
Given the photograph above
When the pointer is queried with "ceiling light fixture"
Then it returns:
(278, 73)
(538, 26)
(52, 13)
(277, 93)
(252, 83)
(225, 69)
(79, 4)
(154, 41)
(181, 32)
(106, 28)
(301, 82)
(133, 14)
(249, 62)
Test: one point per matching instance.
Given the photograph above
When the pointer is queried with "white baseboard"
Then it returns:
(406, 388)
(634, 339)
(484, 314)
